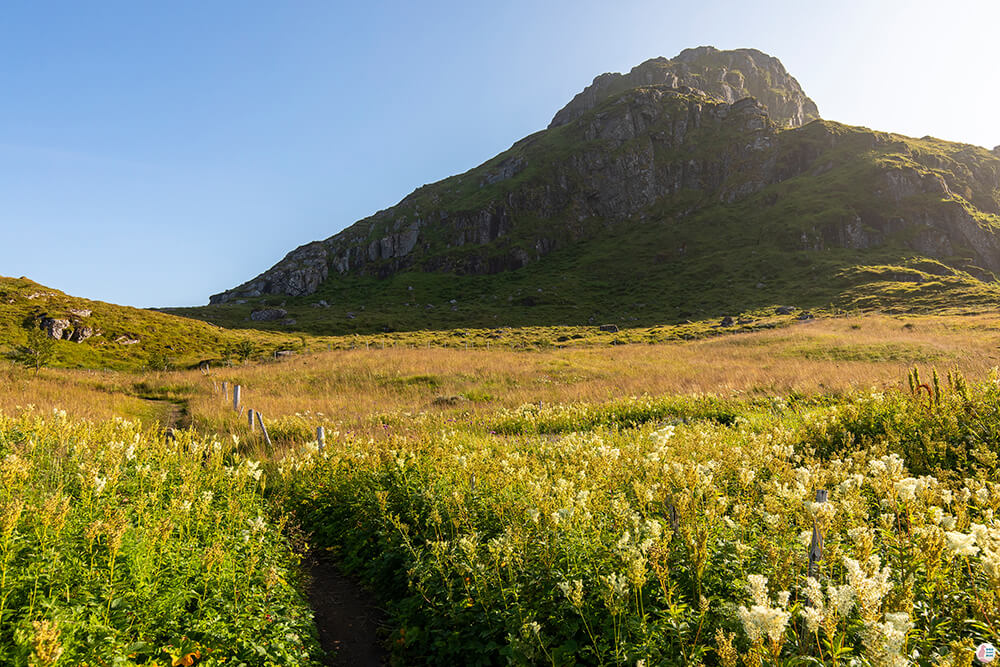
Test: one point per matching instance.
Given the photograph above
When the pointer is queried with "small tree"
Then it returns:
(244, 350)
(36, 351)
(158, 361)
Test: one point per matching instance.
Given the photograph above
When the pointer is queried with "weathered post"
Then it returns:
(225, 390)
(816, 544)
(321, 437)
(250, 419)
(236, 398)
(263, 429)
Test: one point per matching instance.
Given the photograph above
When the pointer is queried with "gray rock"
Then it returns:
(727, 321)
(81, 333)
(784, 310)
(268, 314)
(56, 328)
(351, 316)
(609, 328)
(509, 168)
(806, 316)
(289, 322)
(728, 75)
(125, 340)
(80, 312)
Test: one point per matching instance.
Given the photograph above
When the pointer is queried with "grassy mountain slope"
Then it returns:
(657, 204)
(124, 338)
(689, 255)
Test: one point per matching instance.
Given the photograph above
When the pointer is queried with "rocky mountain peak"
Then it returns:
(727, 75)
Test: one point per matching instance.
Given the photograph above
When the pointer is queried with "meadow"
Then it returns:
(575, 503)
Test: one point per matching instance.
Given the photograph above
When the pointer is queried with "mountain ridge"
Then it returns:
(670, 163)
(727, 75)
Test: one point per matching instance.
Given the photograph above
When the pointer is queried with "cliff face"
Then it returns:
(727, 75)
(631, 154)
(647, 148)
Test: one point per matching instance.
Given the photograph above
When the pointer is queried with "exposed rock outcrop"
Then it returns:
(727, 75)
(56, 327)
(268, 314)
(81, 333)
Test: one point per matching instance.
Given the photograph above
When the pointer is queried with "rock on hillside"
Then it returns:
(727, 75)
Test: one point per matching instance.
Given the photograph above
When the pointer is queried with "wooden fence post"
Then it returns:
(236, 398)
(263, 429)
(225, 390)
(321, 437)
(816, 544)
(250, 419)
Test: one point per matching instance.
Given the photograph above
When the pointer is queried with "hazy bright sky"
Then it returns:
(154, 153)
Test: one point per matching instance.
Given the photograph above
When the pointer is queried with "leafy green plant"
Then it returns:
(36, 351)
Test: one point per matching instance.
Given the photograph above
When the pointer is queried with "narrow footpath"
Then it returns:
(347, 617)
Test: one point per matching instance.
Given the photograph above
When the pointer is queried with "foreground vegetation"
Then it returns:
(549, 536)
(120, 546)
(622, 505)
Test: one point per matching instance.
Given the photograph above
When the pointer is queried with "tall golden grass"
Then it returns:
(826, 355)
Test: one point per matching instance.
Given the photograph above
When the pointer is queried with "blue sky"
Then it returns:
(154, 153)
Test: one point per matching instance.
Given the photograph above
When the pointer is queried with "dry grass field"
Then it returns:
(348, 386)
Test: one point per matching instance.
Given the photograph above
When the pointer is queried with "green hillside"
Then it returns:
(689, 256)
(658, 204)
(121, 337)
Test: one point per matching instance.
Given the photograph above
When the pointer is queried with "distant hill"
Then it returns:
(94, 334)
(696, 186)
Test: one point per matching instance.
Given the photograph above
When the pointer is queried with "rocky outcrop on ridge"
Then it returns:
(726, 75)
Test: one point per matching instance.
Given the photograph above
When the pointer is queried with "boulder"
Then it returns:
(81, 333)
(609, 328)
(806, 316)
(56, 328)
(80, 312)
(268, 314)
(727, 321)
(784, 310)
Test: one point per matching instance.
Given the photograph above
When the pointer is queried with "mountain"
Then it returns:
(726, 75)
(698, 185)
(95, 334)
